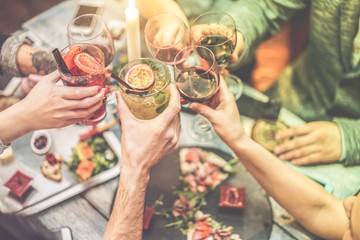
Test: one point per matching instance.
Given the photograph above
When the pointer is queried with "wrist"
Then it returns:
(134, 176)
(14, 123)
(240, 144)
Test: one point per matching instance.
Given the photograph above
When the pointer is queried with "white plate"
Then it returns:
(37, 134)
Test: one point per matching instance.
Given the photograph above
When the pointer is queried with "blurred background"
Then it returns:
(13, 13)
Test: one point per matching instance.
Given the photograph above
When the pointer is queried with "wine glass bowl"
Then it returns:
(216, 31)
(92, 28)
(197, 79)
(165, 35)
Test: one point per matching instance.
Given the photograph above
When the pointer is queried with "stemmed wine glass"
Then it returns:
(217, 31)
(165, 35)
(92, 29)
(197, 79)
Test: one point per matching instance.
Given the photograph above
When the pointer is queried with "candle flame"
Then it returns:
(131, 3)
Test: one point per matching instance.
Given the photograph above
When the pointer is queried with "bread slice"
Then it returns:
(264, 132)
(51, 166)
(7, 155)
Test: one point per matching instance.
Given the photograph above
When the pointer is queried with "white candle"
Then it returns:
(133, 31)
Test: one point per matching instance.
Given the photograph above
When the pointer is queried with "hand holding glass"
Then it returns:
(86, 65)
(197, 79)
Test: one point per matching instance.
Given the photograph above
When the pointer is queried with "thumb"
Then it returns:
(202, 109)
(53, 77)
(122, 108)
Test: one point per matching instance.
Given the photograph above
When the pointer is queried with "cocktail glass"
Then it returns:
(146, 103)
(94, 75)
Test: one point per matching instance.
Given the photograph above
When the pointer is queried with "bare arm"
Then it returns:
(126, 221)
(314, 208)
(49, 106)
(34, 61)
(139, 155)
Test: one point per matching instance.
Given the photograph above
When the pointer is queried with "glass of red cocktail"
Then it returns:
(85, 63)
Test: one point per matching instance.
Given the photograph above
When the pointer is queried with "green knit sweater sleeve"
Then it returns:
(257, 20)
(351, 130)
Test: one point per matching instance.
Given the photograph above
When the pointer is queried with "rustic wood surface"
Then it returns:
(87, 213)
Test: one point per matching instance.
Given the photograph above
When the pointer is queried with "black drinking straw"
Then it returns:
(60, 61)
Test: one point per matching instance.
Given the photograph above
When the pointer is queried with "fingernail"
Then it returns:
(104, 99)
(106, 90)
(99, 88)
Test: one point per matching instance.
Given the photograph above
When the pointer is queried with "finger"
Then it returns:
(224, 91)
(53, 77)
(88, 102)
(122, 109)
(294, 144)
(299, 152)
(202, 109)
(292, 132)
(234, 57)
(309, 159)
(86, 113)
(77, 93)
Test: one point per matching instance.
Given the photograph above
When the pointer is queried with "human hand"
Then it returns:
(223, 114)
(52, 106)
(159, 136)
(315, 142)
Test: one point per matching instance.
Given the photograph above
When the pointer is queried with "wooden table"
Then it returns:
(87, 213)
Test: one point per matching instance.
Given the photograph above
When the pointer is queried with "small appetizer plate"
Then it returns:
(40, 142)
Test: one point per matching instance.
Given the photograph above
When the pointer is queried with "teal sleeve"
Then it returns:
(351, 136)
(257, 20)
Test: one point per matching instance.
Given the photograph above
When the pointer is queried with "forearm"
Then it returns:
(149, 8)
(126, 220)
(14, 123)
(308, 202)
(34, 61)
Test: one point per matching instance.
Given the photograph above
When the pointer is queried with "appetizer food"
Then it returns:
(264, 132)
(7, 155)
(19, 183)
(201, 170)
(91, 157)
(51, 166)
(206, 227)
(232, 197)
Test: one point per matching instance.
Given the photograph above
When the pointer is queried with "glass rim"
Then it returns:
(102, 64)
(217, 12)
(167, 73)
(86, 15)
(177, 40)
(193, 48)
